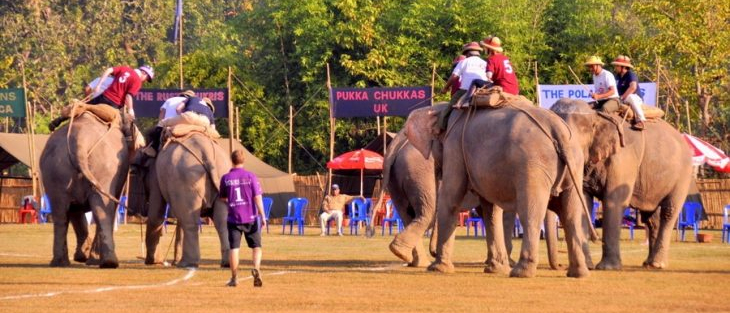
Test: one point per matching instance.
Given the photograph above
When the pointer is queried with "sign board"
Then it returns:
(12, 102)
(365, 102)
(147, 102)
(549, 94)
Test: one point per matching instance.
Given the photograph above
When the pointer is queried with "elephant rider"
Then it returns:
(120, 93)
(169, 109)
(499, 68)
(456, 85)
(604, 92)
(241, 191)
(92, 85)
(466, 72)
(202, 106)
(334, 206)
(628, 89)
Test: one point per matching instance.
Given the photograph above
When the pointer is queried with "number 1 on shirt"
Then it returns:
(238, 194)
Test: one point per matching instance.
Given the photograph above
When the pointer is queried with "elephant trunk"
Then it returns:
(396, 145)
(551, 238)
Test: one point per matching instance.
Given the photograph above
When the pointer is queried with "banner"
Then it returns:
(12, 102)
(147, 103)
(549, 94)
(364, 102)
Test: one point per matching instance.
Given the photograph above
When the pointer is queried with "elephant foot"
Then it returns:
(512, 263)
(109, 263)
(60, 262)
(578, 272)
(654, 265)
(419, 261)
(80, 257)
(402, 252)
(150, 260)
(496, 268)
(523, 270)
(609, 265)
(184, 264)
(442, 267)
(225, 264)
(557, 266)
(92, 261)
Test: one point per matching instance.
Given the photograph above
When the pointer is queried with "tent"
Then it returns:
(276, 184)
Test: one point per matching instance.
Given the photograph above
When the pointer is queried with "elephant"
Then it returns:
(186, 175)
(517, 158)
(411, 181)
(643, 169)
(84, 165)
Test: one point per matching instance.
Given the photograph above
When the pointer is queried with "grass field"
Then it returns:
(335, 274)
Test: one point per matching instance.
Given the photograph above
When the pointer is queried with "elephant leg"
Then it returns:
(404, 242)
(412, 236)
(187, 223)
(451, 193)
(551, 238)
(573, 217)
(95, 250)
(104, 214)
(434, 237)
(612, 217)
(497, 255)
(81, 228)
(531, 204)
(670, 210)
(651, 220)
(508, 223)
(420, 257)
(60, 233)
(154, 229)
(220, 220)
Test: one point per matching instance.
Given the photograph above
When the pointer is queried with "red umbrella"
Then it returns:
(357, 160)
(703, 152)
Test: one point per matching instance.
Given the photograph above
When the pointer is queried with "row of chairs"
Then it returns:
(360, 212)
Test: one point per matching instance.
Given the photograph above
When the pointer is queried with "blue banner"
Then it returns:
(147, 102)
(366, 102)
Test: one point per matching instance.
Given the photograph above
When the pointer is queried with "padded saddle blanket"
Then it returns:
(104, 112)
(494, 98)
(650, 112)
(187, 123)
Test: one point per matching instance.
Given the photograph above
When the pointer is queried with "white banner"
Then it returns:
(549, 94)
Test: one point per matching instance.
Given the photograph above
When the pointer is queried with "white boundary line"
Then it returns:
(188, 276)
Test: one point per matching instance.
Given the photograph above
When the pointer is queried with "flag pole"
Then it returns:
(332, 129)
(180, 42)
(537, 87)
(433, 82)
(29, 126)
(291, 136)
(230, 112)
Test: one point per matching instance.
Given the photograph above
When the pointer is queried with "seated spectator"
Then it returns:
(334, 206)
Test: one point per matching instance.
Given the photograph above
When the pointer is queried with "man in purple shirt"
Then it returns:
(241, 190)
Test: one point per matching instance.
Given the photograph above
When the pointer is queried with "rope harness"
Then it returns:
(208, 170)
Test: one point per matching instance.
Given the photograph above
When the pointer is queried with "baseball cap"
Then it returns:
(335, 186)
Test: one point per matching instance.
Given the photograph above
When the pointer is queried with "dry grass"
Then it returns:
(311, 273)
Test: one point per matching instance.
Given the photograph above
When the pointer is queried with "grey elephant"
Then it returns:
(84, 165)
(411, 181)
(648, 170)
(508, 158)
(186, 175)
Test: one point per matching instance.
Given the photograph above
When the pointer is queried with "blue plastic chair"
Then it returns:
(268, 202)
(688, 218)
(359, 212)
(295, 214)
(394, 218)
(476, 222)
(625, 221)
(122, 210)
(726, 224)
(45, 209)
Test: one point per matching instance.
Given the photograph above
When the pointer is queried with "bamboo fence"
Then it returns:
(715, 196)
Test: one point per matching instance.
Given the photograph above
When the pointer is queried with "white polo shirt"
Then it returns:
(470, 69)
(104, 85)
(170, 106)
(603, 81)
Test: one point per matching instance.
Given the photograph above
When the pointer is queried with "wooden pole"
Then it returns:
(230, 112)
(433, 82)
(689, 123)
(180, 50)
(658, 64)
(332, 130)
(237, 118)
(291, 135)
(29, 126)
(378, 124)
(537, 87)
(385, 134)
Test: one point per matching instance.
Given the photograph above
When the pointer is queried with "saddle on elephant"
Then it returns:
(650, 112)
(494, 98)
(103, 113)
(188, 123)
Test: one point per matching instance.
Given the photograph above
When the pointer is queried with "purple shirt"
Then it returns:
(240, 187)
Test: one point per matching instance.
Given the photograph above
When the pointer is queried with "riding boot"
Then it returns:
(466, 99)
(637, 125)
(56, 122)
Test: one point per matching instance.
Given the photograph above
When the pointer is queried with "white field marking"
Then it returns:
(18, 255)
(188, 276)
(271, 274)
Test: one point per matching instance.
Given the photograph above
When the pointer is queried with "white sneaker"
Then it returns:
(322, 234)
(339, 234)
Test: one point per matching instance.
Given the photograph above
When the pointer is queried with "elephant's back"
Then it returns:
(190, 160)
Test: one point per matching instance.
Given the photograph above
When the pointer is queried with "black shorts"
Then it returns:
(250, 231)
(101, 99)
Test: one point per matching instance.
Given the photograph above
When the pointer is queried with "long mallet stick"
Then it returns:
(578, 80)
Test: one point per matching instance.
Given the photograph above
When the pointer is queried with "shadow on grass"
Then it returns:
(635, 268)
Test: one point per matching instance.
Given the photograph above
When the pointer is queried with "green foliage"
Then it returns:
(279, 50)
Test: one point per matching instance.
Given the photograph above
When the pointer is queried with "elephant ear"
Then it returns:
(606, 139)
(421, 128)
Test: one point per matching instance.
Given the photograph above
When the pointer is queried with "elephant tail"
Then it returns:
(80, 156)
(395, 146)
